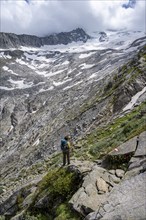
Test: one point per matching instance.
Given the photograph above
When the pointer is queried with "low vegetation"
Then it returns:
(53, 193)
(102, 140)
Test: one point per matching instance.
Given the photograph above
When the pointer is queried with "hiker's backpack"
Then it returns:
(64, 145)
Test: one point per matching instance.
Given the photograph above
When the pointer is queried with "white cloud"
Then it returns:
(43, 17)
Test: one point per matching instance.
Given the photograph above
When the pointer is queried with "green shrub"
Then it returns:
(58, 182)
(55, 188)
(64, 212)
(127, 129)
(28, 216)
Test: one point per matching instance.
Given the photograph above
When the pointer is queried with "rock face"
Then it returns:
(127, 199)
(8, 40)
(103, 37)
(133, 151)
(97, 184)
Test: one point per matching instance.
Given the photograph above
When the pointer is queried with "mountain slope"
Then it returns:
(51, 91)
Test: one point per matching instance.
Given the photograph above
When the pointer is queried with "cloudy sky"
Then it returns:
(43, 17)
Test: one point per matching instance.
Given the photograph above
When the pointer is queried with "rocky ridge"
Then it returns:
(10, 40)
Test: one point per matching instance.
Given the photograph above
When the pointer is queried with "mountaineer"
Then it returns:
(65, 147)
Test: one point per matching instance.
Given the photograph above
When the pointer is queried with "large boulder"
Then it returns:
(132, 149)
(137, 163)
(95, 188)
(126, 201)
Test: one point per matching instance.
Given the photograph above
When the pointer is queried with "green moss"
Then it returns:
(64, 212)
(39, 216)
(58, 182)
(20, 200)
(55, 188)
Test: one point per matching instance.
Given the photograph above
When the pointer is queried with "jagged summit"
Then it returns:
(11, 40)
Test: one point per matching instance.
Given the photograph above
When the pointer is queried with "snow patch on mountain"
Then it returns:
(45, 90)
(61, 82)
(54, 73)
(134, 99)
(2, 55)
(65, 62)
(116, 40)
(85, 55)
(71, 86)
(5, 68)
(86, 66)
(60, 64)
(92, 76)
(19, 84)
(36, 143)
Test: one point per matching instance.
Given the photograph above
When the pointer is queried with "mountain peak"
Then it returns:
(9, 40)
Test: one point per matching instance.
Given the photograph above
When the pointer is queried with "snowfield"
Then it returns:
(79, 61)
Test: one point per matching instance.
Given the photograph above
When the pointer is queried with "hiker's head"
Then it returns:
(67, 137)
